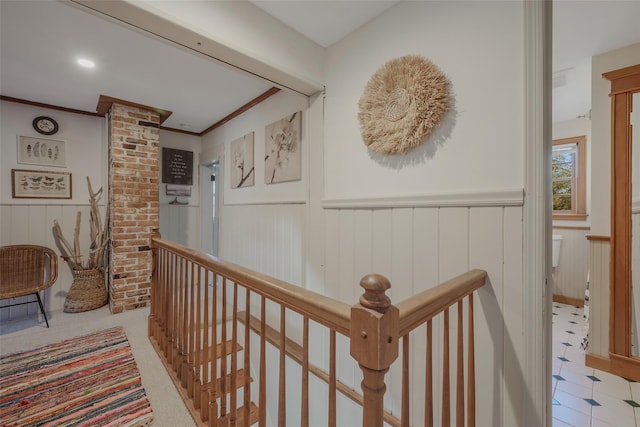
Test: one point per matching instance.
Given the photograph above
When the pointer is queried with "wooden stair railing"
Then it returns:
(422, 309)
(211, 321)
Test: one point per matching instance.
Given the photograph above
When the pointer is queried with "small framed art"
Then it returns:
(33, 150)
(30, 184)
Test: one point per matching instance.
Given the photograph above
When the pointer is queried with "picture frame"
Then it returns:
(241, 152)
(283, 151)
(34, 184)
(34, 150)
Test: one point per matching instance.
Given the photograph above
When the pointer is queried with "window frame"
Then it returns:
(579, 209)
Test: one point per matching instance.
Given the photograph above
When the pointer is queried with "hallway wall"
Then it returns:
(453, 204)
(29, 221)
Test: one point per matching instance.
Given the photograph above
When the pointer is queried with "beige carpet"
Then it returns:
(29, 332)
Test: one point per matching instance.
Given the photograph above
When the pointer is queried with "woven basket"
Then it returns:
(87, 291)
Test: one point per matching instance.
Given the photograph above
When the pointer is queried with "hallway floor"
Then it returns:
(585, 397)
(30, 332)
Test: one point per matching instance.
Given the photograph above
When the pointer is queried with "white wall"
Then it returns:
(417, 247)
(29, 221)
(278, 106)
(84, 149)
(181, 223)
(570, 276)
(262, 227)
(468, 151)
(478, 150)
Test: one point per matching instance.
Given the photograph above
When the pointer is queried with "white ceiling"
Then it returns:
(40, 40)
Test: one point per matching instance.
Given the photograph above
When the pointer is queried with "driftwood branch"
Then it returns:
(98, 236)
(64, 247)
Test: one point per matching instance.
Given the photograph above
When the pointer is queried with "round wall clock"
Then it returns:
(45, 125)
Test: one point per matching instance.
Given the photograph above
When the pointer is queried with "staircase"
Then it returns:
(209, 340)
(223, 403)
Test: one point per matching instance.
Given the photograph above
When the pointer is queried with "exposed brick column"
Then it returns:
(133, 203)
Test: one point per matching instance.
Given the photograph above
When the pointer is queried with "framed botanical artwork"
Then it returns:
(283, 159)
(30, 184)
(33, 150)
(242, 167)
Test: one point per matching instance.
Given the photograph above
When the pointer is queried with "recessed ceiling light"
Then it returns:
(86, 63)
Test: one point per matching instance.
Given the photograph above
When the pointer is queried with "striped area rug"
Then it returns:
(85, 381)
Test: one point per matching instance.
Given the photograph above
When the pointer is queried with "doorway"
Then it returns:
(209, 203)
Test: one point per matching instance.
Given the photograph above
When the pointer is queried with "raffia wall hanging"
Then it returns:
(403, 102)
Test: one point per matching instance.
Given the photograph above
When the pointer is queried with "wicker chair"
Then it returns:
(25, 270)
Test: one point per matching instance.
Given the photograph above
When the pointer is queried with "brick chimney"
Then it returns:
(134, 135)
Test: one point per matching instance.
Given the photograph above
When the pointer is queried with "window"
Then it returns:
(569, 178)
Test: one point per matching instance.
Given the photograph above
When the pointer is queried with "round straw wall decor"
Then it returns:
(402, 103)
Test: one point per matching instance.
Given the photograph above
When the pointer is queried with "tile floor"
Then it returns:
(585, 397)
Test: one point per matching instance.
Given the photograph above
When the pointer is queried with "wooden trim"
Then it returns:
(569, 217)
(257, 100)
(570, 227)
(186, 132)
(622, 72)
(625, 366)
(624, 82)
(49, 106)
(597, 238)
(105, 102)
(597, 362)
(576, 302)
(419, 308)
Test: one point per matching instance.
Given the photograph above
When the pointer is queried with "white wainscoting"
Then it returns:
(570, 276)
(181, 224)
(418, 248)
(32, 224)
(268, 238)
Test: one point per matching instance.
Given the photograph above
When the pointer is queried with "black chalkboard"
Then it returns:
(177, 166)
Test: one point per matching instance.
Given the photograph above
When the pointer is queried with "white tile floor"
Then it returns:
(585, 397)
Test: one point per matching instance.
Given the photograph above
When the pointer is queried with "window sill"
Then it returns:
(569, 217)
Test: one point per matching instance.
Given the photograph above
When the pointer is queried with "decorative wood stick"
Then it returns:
(98, 236)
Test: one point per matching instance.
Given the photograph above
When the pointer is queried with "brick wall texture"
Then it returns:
(133, 204)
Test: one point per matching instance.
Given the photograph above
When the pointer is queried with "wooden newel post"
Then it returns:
(374, 343)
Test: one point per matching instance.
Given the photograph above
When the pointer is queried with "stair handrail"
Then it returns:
(320, 308)
(417, 309)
